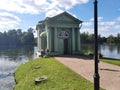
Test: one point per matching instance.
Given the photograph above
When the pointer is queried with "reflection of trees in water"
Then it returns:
(112, 47)
(90, 47)
(103, 46)
(118, 49)
(87, 48)
(17, 53)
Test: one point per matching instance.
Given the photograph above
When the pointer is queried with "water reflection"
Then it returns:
(10, 59)
(87, 48)
(111, 51)
(118, 49)
(15, 53)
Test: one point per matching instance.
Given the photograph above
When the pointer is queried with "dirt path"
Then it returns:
(109, 74)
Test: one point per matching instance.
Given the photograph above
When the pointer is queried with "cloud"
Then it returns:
(8, 20)
(117, 26)
(38, 6)
(89, 30)
(99, 19)
(118, 19)
(105, 28)
(107, 23)
(53, 12)
(49, 7)
(24, 6)
(67, 4)
(58, 6)
(87, 23)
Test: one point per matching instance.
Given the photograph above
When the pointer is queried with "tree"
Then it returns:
(118, 38)
(28, 37)
(110, 39)
(84, 37)
(17, 37)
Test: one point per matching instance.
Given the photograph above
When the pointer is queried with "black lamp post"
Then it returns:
(96, 74)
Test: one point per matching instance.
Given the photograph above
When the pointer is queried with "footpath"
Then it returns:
(109, 74)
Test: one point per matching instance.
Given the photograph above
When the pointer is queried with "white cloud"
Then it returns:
(105, 28)
(99, 19)
(49, 7)
(8, 20)
(117, 26)
(67, 4)
(118, 19)
(38, 6)
(53, 12)
(57, 6)
(107, 23)
(87, 23)
(89, 30)
(24, 6)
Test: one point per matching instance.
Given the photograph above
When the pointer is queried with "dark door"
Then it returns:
(66, 49)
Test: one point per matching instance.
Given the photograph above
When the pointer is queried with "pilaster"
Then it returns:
(73, 40)
(78, 36)
(56, 40)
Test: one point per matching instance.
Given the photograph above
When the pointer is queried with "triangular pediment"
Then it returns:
(65, 17)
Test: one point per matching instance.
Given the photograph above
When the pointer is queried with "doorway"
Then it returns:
(66, 48)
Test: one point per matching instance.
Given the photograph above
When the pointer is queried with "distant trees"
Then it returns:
(16, 37)
(111, 39)
(114, 39)
(89, 38)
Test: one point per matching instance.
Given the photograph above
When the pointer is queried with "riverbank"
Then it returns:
(111, 61)
(59, 76)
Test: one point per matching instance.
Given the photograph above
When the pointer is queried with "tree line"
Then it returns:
(16, 37)
(89, 38)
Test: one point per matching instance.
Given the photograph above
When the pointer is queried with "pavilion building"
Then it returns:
(59, 34)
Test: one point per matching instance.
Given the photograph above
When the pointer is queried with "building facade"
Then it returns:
(59, 34)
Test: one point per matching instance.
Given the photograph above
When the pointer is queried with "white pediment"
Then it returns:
(65, 17)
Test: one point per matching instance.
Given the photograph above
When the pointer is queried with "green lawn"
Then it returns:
(111, 61)
(59, 76)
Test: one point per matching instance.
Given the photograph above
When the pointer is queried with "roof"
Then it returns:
(59, 15)
(67, 14)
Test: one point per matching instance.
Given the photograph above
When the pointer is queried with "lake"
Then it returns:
(12, 57)
(109, 51)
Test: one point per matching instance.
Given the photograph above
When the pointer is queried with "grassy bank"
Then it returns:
(111, 61)
(59, 76)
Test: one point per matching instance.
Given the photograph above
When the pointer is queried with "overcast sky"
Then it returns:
(26, 13)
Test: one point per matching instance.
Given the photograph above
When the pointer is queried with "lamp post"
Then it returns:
(96, 74)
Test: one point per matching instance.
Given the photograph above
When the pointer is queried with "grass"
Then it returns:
(111, 61)
(59, 76)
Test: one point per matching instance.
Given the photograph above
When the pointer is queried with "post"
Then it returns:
(96, 74)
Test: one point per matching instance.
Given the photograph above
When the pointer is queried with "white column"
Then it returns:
(39, 40)
(73, 40)
(78, 35)
(48, 38)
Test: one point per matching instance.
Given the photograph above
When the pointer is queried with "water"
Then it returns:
(10, 59)
(109, 51)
